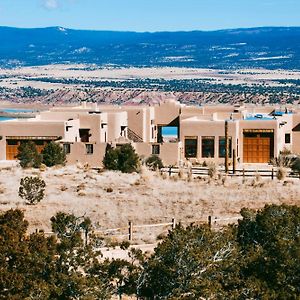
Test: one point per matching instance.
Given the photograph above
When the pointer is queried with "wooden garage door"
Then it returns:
(257, 149)
(12, 149)
(13, 145)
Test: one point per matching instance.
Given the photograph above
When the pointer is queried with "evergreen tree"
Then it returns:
(53, 154)
(154, 162)
(123, 158)
(111, 158)
(32, 189)
(28, 155)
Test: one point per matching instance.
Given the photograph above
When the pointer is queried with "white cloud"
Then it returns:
(51, 4)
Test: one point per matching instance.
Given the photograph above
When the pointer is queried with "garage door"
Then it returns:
(12, 149)
(13, 145)
(257, 149)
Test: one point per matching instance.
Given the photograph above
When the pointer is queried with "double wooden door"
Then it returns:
(257, 149)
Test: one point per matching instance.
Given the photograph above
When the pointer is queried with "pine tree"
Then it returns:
(53, 154)
(29, 156)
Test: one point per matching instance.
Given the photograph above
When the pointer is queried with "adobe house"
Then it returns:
(171, 130)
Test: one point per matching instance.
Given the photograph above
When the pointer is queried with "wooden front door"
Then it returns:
(257, 149)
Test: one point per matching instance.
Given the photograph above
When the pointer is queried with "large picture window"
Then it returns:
(222, 149)
(208, 146)
(190, 147)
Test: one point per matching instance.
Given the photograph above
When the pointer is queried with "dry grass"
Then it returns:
(111, 199)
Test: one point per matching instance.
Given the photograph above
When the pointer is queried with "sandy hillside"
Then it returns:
(143, 198)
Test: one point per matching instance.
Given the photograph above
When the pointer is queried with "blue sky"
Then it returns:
(149, 15)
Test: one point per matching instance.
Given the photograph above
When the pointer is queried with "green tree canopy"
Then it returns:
(32, 189)
(28, 155)
(53, 154)
(122, 158)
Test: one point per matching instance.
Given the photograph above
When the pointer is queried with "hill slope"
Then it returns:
(267, 47)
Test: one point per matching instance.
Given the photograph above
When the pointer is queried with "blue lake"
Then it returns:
(12, 110)
(15, 110)
(5, 119)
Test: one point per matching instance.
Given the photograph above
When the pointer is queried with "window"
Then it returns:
(155, 149)
(89, 148)
(67, 148)
(208, 146)
(190, 147)
(84, 135)
(222, 146)
(287, 138)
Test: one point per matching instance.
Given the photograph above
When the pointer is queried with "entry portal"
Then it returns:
(258, 146)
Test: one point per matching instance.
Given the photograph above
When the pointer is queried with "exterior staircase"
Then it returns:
(133, 136)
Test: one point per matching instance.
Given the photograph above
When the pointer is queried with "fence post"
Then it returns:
(243, 173)
(170, 171)
(226, 147)
(272, 175)
(173, 223)
(130, 232)
(209, 221)
(234, 161)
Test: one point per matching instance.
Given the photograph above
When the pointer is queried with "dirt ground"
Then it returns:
(111, 199)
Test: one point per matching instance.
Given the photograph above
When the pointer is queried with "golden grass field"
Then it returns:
(111, 199)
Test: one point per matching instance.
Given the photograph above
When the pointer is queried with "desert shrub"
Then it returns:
(212, 170)
(29, 156)
(281, 173)
(123, 158)
(154, 162)
(53, 154)
(285, 159)
(32, 189)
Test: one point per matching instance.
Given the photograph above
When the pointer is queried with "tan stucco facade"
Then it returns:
(171, 130)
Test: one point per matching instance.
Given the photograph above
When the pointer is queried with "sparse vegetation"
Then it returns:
(281, 173)
(212, 169)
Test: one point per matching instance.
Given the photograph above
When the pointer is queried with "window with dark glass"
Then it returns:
(155, 149)
(190, 147)
(84, 135)
(67, 148)
(222, 149)
(208, 146)
(89, 148)
(287, 138)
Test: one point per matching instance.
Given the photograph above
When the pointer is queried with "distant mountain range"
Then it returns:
(266, 47)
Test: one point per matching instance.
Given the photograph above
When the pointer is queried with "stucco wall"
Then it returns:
(78, 154)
